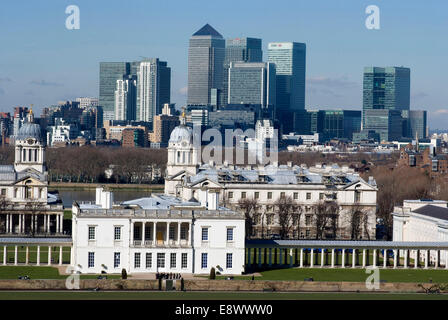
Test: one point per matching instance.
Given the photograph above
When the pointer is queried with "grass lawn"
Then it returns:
(154, 295)
(13, 272)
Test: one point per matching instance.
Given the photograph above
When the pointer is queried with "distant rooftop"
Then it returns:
(207, 30)
(433, 212)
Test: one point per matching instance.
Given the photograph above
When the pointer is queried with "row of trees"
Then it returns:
(88, 164)
(326, 218)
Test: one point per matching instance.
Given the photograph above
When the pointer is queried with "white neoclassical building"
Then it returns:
(157, 234)
(186, 176)
(422, 221)
(26, 208)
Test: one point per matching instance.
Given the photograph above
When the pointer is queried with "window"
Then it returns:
(3, 192)
(171, 232)
(204, 260)
(296, 195)
(357, 196)
(308, 196)
(183, 233)
(160, 260)
(257, 195)
(116, 259)
(137, 260)
(184, 259)
(269, 195)
(295, 219)
(321, 196)
(91, 259)
(229, 260)
(270, 219)
(307, 233)
(243, 195)
(173, 260)
(148, 260)
(117, 233)
(204, 234)
(230, 195)
(15, 192)
(229, 234)
(282, 195)
(91, 233)
(308, 220)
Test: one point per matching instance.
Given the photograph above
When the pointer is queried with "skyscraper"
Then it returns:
(386, 88)
(237, 50)
(415, 123)
(110, 72)
(154, 85)
(205, 65)
(252, 83)
(126, 98)
(290, 62)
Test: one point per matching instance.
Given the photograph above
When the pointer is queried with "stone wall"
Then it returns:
(212, 285)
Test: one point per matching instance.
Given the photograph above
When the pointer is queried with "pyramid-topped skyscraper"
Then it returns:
(205, 65)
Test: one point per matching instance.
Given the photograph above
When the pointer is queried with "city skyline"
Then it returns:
(335, 59)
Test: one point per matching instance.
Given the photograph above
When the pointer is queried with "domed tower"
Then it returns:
(29, 148)
(182, 156)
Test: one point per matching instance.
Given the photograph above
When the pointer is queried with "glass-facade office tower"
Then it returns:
(290, 62)
(387, 123)
(126, 98)
(386, 88)
(237, 50)
(205, 65)
(252, 83)
(415, 124)
(154, 85)
(110, 72)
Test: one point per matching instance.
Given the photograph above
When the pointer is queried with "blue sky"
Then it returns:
(42, 62)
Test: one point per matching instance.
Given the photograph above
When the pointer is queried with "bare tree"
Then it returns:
(326, 218)
(287, 211)
(250, 208)
(358, 223)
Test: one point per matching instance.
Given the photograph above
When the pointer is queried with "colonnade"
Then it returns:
(7, 260)
(22, 223)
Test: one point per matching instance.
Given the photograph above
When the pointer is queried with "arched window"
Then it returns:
(28, 190)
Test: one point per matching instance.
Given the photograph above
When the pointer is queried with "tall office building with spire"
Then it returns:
(205, 65)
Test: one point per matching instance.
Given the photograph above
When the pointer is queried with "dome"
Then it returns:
(29, 130)
(181, 133)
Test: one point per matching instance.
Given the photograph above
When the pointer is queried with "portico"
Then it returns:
(168, 233)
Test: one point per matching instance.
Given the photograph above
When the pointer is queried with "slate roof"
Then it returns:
(207, 30)
(433, 212)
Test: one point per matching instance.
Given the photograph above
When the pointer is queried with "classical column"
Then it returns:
(417, 254)
(15, 255)
(38, 256)
(374, 257)
(179, 226)
(259, 257)
(57, 223)
(143, 233)
(61, 225)
(290, 258)
(322, 256)
(27, 255)
(395, 258)
(132, 233)
(363, 258)
(343, 258)
(4, 255)
(7, 223)
(332, 258)
(312, 258)
(189, 234)
(11, 223)
(406, 254)
(301, 258)
(20, 223)
(426, 258)
(168, 232)
(45, 223)
(270, 257)
(60, 255)
(384, 258)
(353, 258)
(49, 255)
